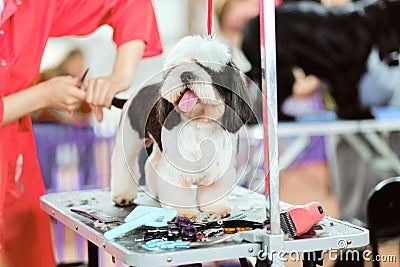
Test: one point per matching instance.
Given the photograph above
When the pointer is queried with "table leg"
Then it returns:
(93, 255)
(244, 262)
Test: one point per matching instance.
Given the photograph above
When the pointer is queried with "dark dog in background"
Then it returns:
(332, 43)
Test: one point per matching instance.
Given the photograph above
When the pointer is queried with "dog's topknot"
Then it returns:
(208, 50)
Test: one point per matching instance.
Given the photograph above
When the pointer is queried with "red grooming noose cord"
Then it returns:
(265, 119)
(209, 17)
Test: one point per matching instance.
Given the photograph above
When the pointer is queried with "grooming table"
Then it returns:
(327, 235)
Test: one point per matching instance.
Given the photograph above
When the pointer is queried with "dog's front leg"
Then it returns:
(213, 198)
(151, 170)
(125, 172)
(175, 193)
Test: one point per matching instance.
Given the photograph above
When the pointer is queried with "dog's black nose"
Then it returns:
(187, 77)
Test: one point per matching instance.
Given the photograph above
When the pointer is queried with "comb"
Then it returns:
(142, 216)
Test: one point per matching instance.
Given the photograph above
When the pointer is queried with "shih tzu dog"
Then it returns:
(192, 118)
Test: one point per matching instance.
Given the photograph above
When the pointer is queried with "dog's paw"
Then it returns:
(221, 208)
(123, 196)
(188, 213)
(123, 201)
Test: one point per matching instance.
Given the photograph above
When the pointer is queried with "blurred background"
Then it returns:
(74, 152)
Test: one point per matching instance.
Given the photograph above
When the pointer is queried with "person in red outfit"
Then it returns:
(25, 27)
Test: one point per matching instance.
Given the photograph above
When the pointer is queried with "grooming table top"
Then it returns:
(327, 235)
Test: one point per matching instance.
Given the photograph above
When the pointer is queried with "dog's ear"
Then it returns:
(235, 93)
(167, 115)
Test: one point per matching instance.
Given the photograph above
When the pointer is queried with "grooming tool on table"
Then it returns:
(142, 216)
(193, 231)
(299, 219)
(234, 224)
(235, 217)
(183, 222)
(160, 244)
(103, 218)
(184, 229)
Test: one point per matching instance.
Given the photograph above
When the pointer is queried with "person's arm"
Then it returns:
(100, 91)
(128, 57)
(60, 92)
(135, 34)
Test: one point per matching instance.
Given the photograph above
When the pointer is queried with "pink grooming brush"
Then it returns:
(299, 219)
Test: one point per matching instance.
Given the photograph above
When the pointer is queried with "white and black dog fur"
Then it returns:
(192, 117)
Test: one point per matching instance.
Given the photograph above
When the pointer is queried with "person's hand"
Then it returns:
(335, 2)
(305, 85)
(63, 93)
(100, 93)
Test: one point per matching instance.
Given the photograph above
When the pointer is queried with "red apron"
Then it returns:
(25, 236)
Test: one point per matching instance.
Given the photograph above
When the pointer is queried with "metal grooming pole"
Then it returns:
(275, 241)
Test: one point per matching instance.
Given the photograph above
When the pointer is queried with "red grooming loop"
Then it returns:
(209, 17)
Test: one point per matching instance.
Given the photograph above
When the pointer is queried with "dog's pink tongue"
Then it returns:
(188, 101)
